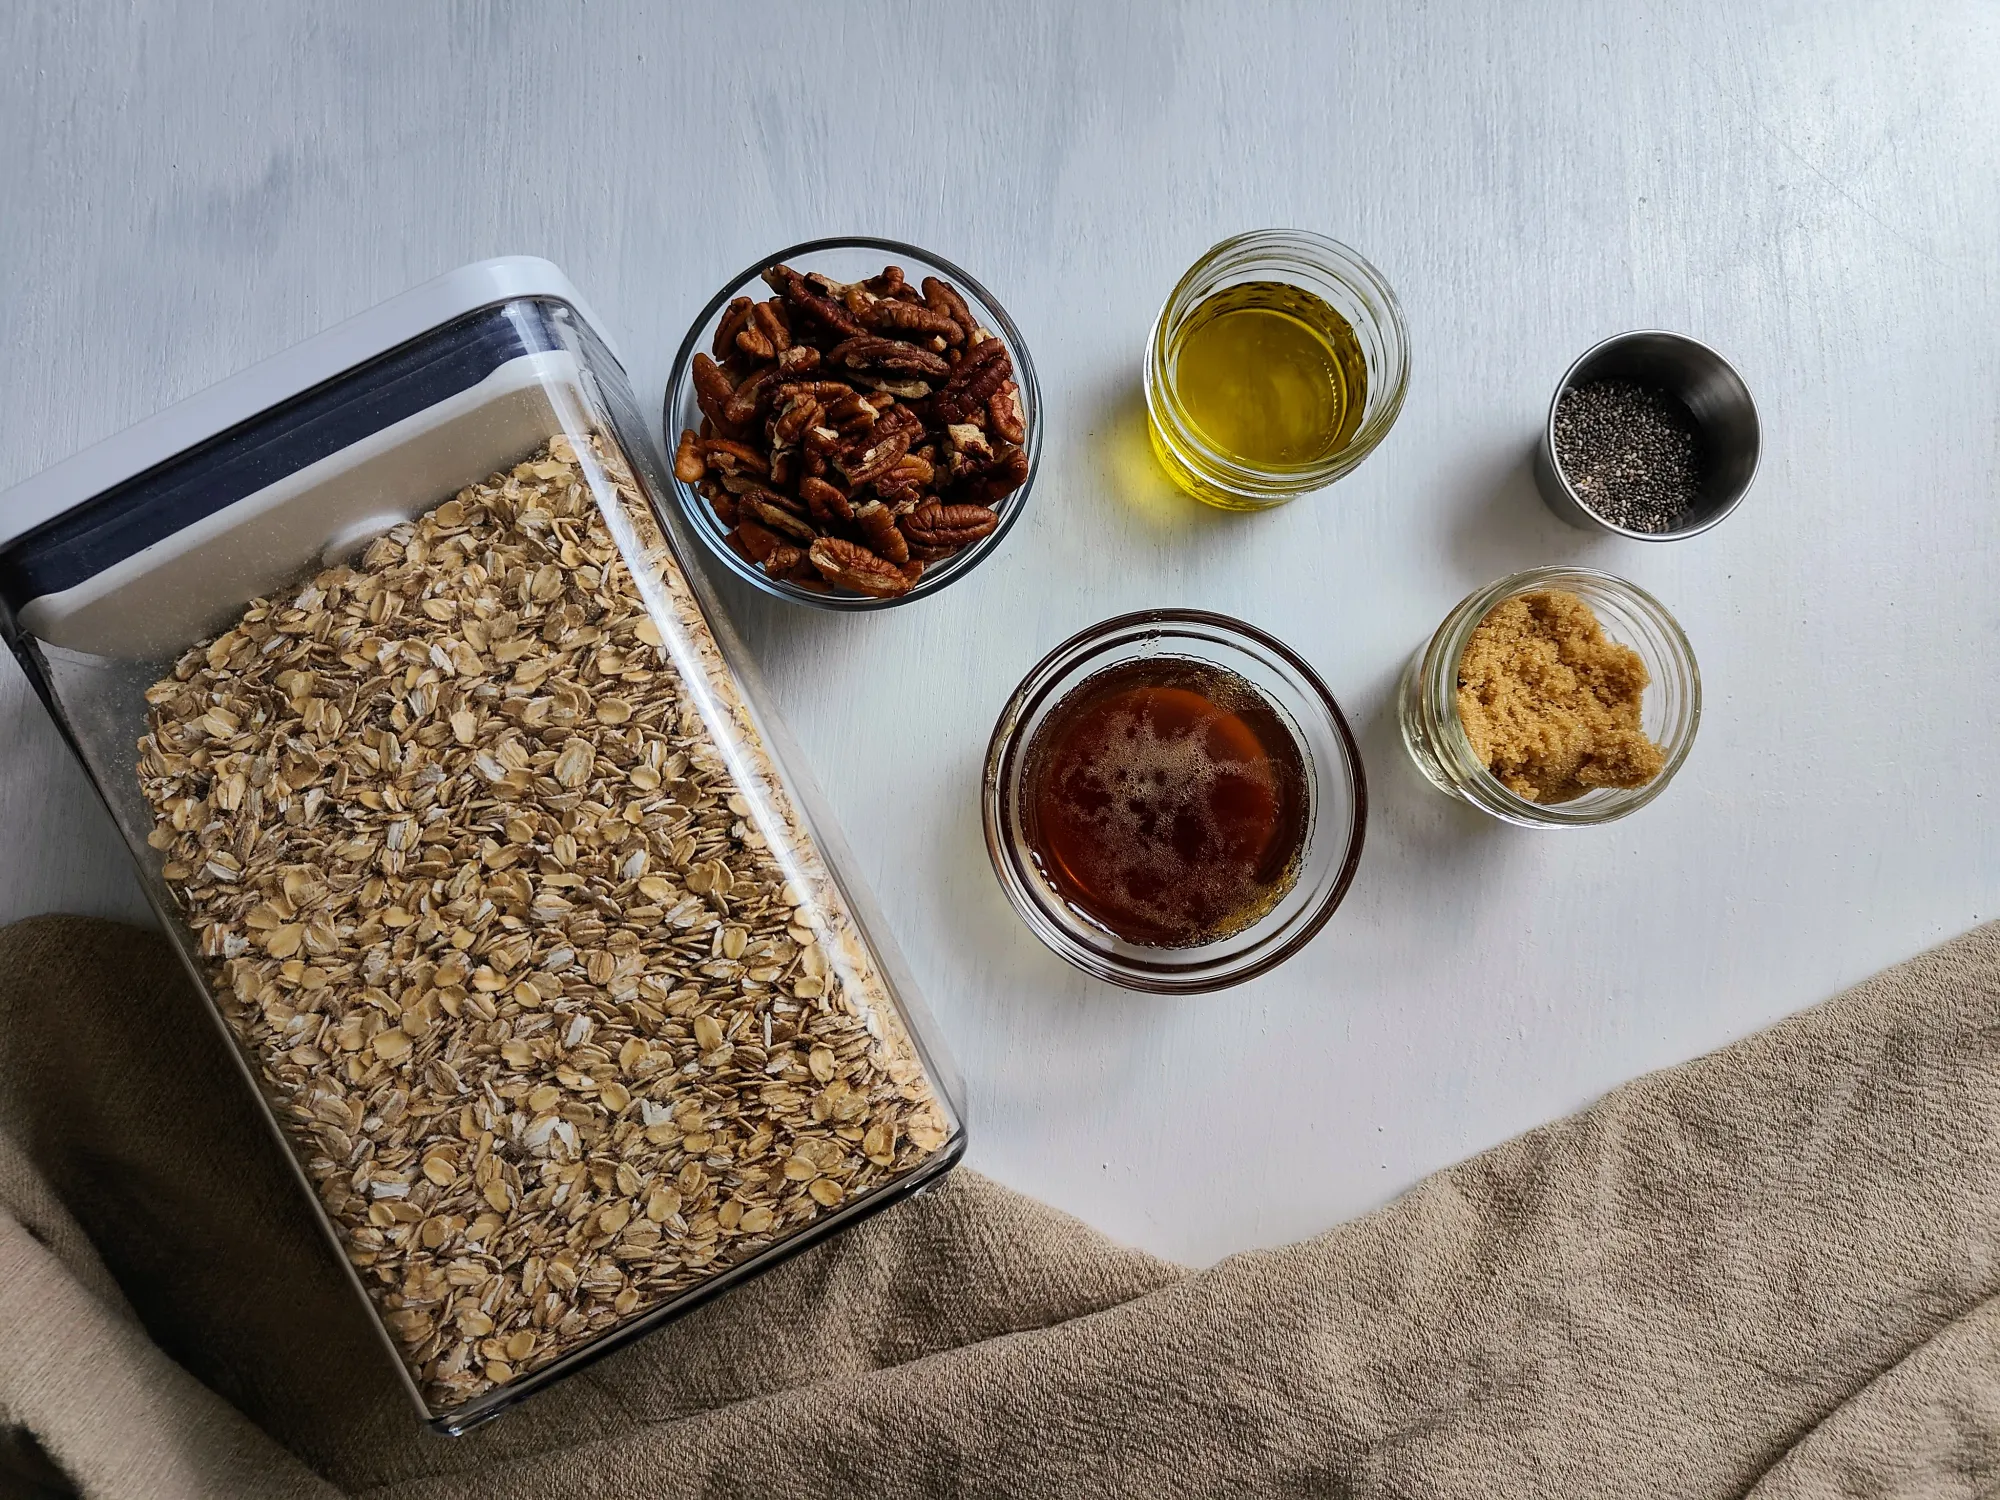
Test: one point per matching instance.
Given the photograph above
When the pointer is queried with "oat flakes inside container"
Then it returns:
(530, 945)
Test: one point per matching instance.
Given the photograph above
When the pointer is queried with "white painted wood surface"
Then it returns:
(1811, 187)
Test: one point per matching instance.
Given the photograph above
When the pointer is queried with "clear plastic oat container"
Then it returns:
(468, 813)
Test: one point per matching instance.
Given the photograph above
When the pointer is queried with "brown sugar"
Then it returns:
(1551, 704)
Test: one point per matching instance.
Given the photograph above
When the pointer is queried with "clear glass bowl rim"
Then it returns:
(702, 521)
(1022, 886)
(1342, 263)
(1446, 647)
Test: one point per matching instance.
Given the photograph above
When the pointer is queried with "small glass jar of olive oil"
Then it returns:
(1276, 366)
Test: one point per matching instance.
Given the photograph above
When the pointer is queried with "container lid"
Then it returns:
(368, 335)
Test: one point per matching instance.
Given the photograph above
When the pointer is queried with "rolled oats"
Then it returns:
(538, 964)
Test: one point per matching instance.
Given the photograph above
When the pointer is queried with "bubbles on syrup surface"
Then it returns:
(1166, 802)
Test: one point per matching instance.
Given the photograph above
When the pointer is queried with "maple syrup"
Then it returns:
(1165, 800)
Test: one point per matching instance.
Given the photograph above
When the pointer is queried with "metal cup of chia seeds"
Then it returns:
(1650, 435)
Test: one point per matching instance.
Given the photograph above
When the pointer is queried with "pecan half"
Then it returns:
(712, 390)
(784, 560)
(765, 507)
(789, 422)
(984, 369)
(820, 308)
(791, 505)
(826, 286)
(688, 467)
(727, 456)
(904, 485)
(910, 317)
(1003, 410)
(914, 468)
(953, 526)
(773, 324)
(870, 352)
(754, 541)
(884, 535)
(819, 390)
(720, 501)
(851, 413)
(969, 441)
(766, 335)
(876, 459)
(905, 390)
(852, 566)
(942, 297)
(734, 317)
(1008, 473)
(785, 465)
(825, 501)
(741, 407)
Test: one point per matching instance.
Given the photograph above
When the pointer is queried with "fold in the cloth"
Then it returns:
(1765, 1271)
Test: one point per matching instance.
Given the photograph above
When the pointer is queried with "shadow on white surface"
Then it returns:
(1078, 1037)
(1132, 474)
(1504, 527)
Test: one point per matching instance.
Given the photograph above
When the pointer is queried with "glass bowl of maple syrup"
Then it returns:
(1173, 801)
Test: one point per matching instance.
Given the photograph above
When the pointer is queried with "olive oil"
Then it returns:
(1271, 375)
(1166, 802)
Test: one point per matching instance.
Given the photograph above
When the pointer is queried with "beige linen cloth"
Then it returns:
(1769, 1272)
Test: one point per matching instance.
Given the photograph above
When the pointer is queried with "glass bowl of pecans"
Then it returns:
(854, 423)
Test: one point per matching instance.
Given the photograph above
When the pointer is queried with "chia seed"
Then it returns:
(1631, 453)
